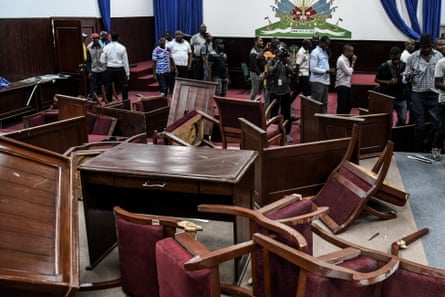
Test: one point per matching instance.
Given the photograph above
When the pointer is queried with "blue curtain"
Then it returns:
(411, 6)
(105, 12)
(431, 17)
(172, 15)
(390, 7)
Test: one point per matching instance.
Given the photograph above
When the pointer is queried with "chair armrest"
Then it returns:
(319, 266)
(173, 138)
(269, 107)
(259, 219)
(362, 111)
(208, 117)
(278, 119)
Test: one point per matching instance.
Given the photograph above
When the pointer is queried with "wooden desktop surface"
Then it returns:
(173, 161)
(163, 180)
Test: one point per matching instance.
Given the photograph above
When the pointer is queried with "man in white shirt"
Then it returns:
(115, 57)
(181, 52)
(302, 66)
(197, 42)
(409, 48)
(345, 68)
(439, 84)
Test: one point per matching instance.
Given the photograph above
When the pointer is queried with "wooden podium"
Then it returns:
(38, 222)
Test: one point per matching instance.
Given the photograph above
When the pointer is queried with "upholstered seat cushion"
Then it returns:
(173, 279)
(317, 286)
(137, 257)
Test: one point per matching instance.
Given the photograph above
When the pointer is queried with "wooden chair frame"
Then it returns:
(256, 108)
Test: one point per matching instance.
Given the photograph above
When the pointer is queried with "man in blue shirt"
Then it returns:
(320, 72)
(162, 63)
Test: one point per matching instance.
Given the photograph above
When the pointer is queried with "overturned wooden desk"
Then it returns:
(164, 180)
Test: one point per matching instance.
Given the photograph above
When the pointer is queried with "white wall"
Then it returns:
(70, 8)
(366, 19)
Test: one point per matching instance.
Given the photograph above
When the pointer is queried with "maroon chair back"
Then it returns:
(150, 103)
(283, 275)
(137, 257)
(174, 280)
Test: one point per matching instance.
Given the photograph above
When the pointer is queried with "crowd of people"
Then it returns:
(415, 78)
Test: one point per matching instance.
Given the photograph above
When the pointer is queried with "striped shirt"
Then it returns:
(422, 71)
(162, 58)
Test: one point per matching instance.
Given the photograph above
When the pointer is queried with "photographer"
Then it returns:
(279, 71)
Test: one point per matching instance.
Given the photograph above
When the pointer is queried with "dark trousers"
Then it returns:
(282, 105)
(440, 132)
(198, 68)
(344, 100)
(303, 86)
(424, 104)
(117, 76)
(164, 82)
(97, 81)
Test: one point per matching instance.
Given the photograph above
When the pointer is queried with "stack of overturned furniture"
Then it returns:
(340, 177)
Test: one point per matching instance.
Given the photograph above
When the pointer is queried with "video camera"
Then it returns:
(283, 54)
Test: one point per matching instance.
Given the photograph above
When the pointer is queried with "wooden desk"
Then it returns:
(163, 180)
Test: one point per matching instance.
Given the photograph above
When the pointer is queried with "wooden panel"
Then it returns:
(38, 222)
(56, 136)
(190, 94)
(309, 123)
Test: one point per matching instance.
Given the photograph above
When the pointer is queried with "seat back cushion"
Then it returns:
(343, 194)
(405, 283)
(317, 286)
(137, 257)
(103, 125)
(283, 275)
(173, 279)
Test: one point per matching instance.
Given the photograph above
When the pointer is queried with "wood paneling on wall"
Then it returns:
(28, 50)
(138, 35)
(27, 46)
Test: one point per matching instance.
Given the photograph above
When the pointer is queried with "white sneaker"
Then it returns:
(436, 154)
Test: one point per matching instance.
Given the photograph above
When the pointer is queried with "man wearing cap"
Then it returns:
(95, 69)
(103, 38)
(115, 57)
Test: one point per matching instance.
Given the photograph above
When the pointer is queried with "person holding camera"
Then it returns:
(279, 72)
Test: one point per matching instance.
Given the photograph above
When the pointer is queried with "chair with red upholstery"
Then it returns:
(99, 127)
(40, 118)
(293, 211)
(137, 235)
(149, 103)
(283, 266)
(231, 109)
(351, 189)
(176, 280)
(186, 131)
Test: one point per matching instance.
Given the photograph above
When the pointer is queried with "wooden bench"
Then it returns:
(293, 168)
(56, 136)
(375, 130)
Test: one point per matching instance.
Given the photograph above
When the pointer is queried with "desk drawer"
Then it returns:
(159, 184)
